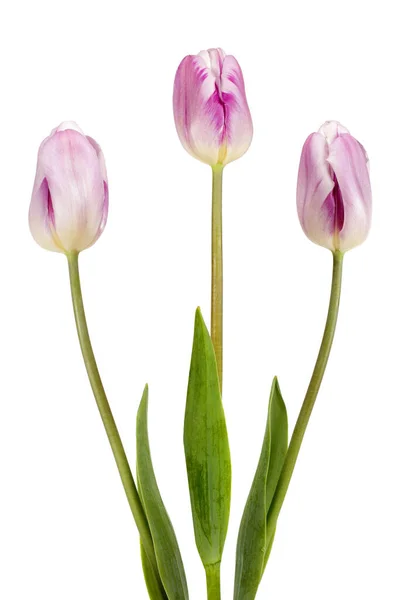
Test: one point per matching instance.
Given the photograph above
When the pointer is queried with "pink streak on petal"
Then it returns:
(315, 201)
(41, 216)
(238, 121)
(350, 164)
(198, 112)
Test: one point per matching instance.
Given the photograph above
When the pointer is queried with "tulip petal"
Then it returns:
(350, 164)
(238, 121)
(41, 216)
(331, 130)
(198, 113)
(104, 215)
(315, 205)
(72, 125)
(100, 156)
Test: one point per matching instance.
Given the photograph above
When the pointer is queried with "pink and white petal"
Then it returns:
(315, 205)
(238, 120)
(104, 215)
(65, 125)
(75, 181)
(331, 130)
(39, 216)
(350, 164)
(214, 58)
(198, 111)
(100, 155)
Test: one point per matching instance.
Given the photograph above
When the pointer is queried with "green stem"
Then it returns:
(217, 268)
(106, 414)
(213, 577)
(310, 397)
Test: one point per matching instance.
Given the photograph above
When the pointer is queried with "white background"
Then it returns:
(65, 529)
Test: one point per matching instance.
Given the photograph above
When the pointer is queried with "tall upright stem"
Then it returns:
(217, 269)
(107, 416)
(310, 397)
(213, 577)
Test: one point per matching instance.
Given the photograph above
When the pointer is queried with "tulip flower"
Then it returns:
(214, 125)
(69, 202)
(333, 191)
(210, 108)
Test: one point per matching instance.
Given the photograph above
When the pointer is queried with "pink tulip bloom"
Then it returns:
(69, 203)
(210, 108)
(333, 191)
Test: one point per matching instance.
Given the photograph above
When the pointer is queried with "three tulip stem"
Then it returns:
(310, 397)
(106, 414)
(217, 268)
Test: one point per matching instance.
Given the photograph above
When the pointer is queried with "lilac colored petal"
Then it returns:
(315, 201)
(100, 155)
(350, 164)
(213, 58)
(104, 215)
(41, 216)
(198, 112)
(331, 130)
(238, 121)
(65, 125)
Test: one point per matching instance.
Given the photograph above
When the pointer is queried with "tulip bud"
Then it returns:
(333, 191)
(69, 203)
(210, 108)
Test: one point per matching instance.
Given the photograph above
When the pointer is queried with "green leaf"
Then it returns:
(207, 449)
(254, 541)
(167, 551)
(154, 585)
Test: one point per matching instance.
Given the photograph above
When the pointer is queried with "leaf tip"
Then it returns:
(199, 320)
(143, 405)
(275, 386)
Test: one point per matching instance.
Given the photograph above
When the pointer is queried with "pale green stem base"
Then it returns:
(217, 268)
(105, 411)
(213, 576)
(310, 397)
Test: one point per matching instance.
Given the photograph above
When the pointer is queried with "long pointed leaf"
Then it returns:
(154, 586)
(167, 551)
(254, 542)
(207, 449)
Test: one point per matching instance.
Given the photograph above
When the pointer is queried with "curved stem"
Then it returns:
(106, 414)
(217, 268)
(212, 573)
(310, 397)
